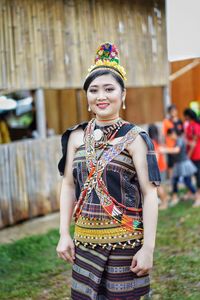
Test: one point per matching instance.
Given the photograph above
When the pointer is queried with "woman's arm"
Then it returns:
(67, 198)
(143, 260)
(65, 248)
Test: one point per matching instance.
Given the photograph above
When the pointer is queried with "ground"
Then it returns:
(30, 269)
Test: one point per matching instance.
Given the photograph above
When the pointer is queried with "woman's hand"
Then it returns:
(142, 262)
(65, 248)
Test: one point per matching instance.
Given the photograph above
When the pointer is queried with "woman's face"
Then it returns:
(105, 97)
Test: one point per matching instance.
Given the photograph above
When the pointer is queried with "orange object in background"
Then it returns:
(167, 124)
(160, 157)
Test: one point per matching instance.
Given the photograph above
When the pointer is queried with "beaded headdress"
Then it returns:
(107, 56)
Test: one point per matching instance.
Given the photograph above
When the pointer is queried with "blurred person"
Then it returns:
(171, 121)
(183, 167)
(154, 135)
(192, 134)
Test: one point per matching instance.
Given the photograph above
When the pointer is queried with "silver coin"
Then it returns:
(98, 134)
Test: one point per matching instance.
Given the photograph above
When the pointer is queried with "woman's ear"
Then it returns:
(123, 94)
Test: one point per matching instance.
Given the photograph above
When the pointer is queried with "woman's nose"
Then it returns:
(101, 97)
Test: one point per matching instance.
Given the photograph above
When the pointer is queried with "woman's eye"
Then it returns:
(93, 91)
(109, 89)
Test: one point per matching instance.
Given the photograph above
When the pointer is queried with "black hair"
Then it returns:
(98, 73)
(153, 132)
(188, 112)
(171, 130)
(171, 107)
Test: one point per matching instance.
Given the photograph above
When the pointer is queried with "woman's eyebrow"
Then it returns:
(107, 84)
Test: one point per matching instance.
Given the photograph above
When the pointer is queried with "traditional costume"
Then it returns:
(108, 213)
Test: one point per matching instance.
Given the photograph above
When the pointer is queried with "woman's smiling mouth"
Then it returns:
(102, 105)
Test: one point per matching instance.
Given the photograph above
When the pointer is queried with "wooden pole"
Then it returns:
(40, 113)
(166, 97)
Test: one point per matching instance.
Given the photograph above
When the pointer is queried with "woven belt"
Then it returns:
(103, 232)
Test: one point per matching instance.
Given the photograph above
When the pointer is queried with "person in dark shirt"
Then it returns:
(172, 121)
(183, 166)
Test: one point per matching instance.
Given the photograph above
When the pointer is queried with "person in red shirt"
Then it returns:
(192, 134)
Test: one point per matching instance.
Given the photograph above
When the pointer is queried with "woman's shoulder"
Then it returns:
(140, 136)
(128, 126)
(136, 130)
(143, 145)
(75, 128)
(75, 133)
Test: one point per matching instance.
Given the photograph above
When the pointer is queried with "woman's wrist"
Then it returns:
(64, 233)
(149, 247)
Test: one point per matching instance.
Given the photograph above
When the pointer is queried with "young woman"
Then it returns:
(110, 176)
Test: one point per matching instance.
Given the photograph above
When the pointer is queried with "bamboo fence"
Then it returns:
(29, 179)
(51, 43)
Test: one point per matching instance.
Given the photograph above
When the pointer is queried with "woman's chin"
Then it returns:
(104, 112)
(104, 116)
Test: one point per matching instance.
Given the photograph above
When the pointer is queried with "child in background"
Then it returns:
(183, 166)
(154, 135)
(171, 121)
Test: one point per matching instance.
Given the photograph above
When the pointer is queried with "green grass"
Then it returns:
(29, 268)
(176, 273)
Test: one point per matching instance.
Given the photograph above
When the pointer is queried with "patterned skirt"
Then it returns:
(104, 274)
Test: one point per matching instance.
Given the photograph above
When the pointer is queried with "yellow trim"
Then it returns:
(114, 66)
(105, 235)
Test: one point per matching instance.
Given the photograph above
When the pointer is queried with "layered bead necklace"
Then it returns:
(104, 134)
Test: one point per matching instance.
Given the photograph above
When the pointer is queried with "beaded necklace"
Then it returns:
(104, 134)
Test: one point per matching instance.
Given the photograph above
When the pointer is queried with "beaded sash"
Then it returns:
(94, 180)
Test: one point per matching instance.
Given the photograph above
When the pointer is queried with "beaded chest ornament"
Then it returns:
(94, 181)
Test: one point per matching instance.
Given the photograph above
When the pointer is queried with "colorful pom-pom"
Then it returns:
(107, 55)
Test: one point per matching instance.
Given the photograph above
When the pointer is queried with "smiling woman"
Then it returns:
(110, 178)
(105, 96)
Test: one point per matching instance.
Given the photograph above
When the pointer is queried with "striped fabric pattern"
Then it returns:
(104, 274)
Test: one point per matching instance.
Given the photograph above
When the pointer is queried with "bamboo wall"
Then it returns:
(65, 108)
(29, 179)
(51, 43)
(186, 88)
